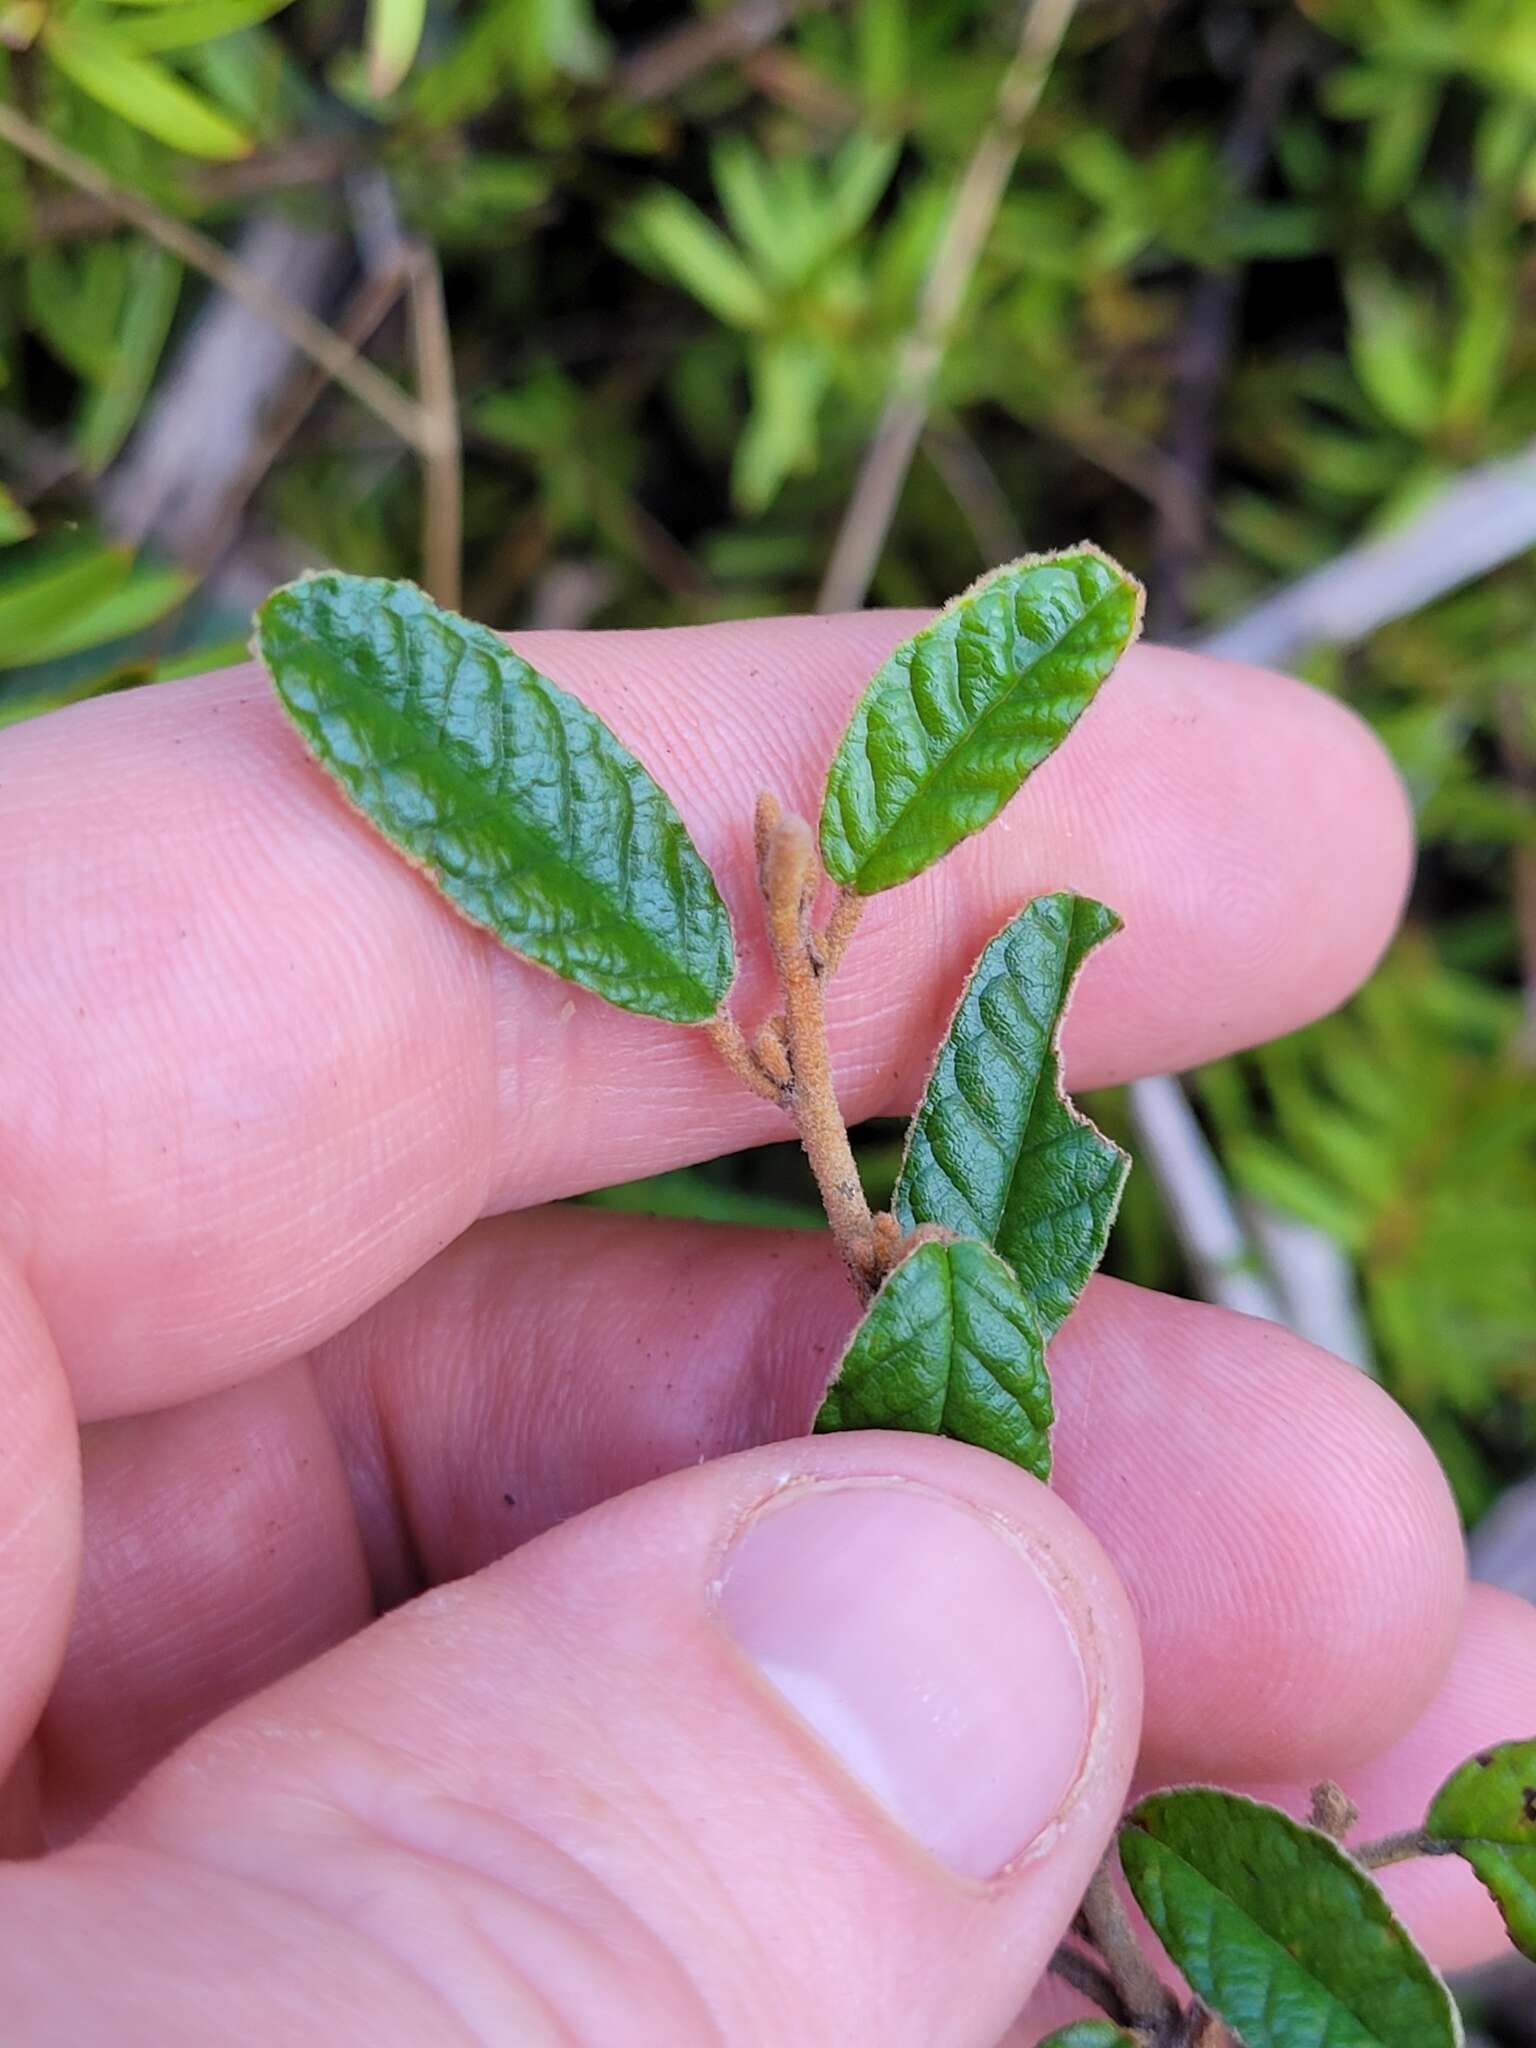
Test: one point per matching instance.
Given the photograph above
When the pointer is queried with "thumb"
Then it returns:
(817, 1744)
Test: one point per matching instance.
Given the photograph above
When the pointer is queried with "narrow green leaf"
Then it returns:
(950, 1347)
(40, 600)
(1487, 1811)
(996, 1150)
(109, 411)
(523, 807)
(961, 713)
(394, 36)
(1278, 1929)
(144, 93)
(185, 24)
(1090, 2034)
(16, 521)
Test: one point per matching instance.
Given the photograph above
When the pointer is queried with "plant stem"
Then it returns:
(725, 1034)
(1085, 1975)
(1397, 1849)
(1146, 1998)
(790, 873)
(832, 939)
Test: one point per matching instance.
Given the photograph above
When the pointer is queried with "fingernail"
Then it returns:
(921, 1642)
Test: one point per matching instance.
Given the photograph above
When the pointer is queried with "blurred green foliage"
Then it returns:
(679, 262)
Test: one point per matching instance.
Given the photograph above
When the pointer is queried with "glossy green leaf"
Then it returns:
(144, 93)
(518, 801)
(1487, 1809)
(1278, 1929)
(1090, 2034)
(996, 1150)
(15, 520)
(961, 713)
(951, 1347)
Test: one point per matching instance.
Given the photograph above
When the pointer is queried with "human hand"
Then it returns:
(258, 1086)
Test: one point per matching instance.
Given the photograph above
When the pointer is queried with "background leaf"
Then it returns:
(1488, 1809)
(15, 521)
(144, 93)
(1278, 1929)
(958, 716)
(950, 1347)
(996, 1151)
(1090, 2034)
(528, 813)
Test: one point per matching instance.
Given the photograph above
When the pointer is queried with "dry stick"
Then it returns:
(370, 387)
(889, 456)
(790, 873)
(1143, 1993)
(664, 65)
(318, 161)
(442, 457)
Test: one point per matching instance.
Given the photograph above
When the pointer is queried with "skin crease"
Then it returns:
(259, 1082)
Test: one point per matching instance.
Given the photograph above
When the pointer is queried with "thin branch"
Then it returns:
(442, 455)
(662, 66)
(980, 498)
(868, 518)
(318, 160)
(1143, 1993)
(790, 874)
(1085, 1976)
(370, 387)
(1403, 1848)
(728, 1039)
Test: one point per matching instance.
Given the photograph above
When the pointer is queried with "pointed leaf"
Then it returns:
(958, 716)
(1090, 2034)
(1487, 1810)
(15, 520)
(1278, 1929)
(394, 37)
(996, 1150)
(949, 1346)
(144, 93)
(521, 805)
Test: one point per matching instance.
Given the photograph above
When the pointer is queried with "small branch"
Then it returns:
(1143, 1993)
(1401, 1848)
(982, 185)
(442, 457)
(980, 499)
(1085, 1976)
(790, 873)
(319, 160)
(664, 65)
(370, 387)
(831, 942)
(725, 1035)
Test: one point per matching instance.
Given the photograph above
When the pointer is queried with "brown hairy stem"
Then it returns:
(1085, 1975)
(790, 873)
(725, 1034)
(831, 941)
(1145, 1996)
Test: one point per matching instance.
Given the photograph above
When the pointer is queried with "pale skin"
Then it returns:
(266, 1109)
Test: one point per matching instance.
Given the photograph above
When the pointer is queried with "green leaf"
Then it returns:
(144, 93)
(519, 802)
(1278, 1929)
(668, 231)
(958, 716)
(42, 599)
(1090, 2034)
(109, 411)
(951, 1347)
(996, 1150)
(185, 24)
(16, 521)
(1487, 1811)
(394, 36)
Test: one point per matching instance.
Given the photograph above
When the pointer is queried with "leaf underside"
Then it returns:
(958, 716)
(1278, 1930)
(996, 1151)
(949, 1346)
(517, 800)
(1488, 1810)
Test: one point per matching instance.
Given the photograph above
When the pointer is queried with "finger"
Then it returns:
(819, 1743)
(256, 1072)
(1284, 1532)
(39, 1535)
(1488, 1696)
